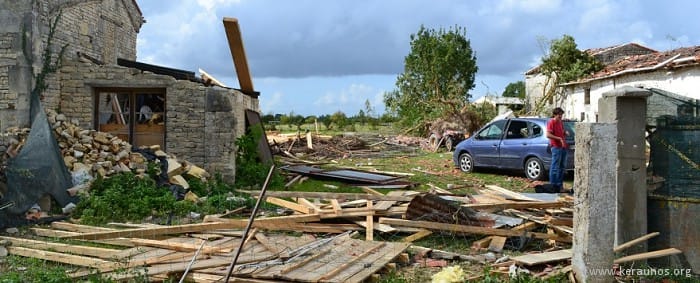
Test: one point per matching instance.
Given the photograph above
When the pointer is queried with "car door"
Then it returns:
(486, 143)
(514, 145)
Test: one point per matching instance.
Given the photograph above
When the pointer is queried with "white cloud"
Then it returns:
(529, 6)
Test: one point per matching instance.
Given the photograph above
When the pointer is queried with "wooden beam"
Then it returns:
(64, 248)
(351, 262)
(240, 62)
(510, 194)
(150, 232)
(417, 236)
(325, 195)
(60, 234)
(369, 234)
(470, 229)
(63, 258)
(648, 255)
(517, 205)
(635, 241)
(175, 246)
(288, 204)
(221, 223)
(534, 259)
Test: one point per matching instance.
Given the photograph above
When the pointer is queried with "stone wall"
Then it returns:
(202, 123)
(101, 29)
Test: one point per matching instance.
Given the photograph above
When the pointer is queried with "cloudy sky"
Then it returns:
(315, 57)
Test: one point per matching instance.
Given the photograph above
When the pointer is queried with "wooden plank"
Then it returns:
(64, 248)
(386, 204)
(482, 243)
(336, 206)
(149, 232)
(50, 233)
(78, 228)
(371, 191)
(240, 62)
(648, 255)
(626, 245)
(309, 204)
(377, 261)
(326, 195)
(417, 236)
(176, 246)
(270, 246)
(307, 260)
(99, 264)
(369, 232)
(497, 243)
(510, 194)
(470, 229)
(516, 205)
(377, 226)
(534, 259)
(288, 204)
(350, 262)
(188, 228)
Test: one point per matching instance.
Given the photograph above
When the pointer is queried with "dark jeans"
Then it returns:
(557, 170)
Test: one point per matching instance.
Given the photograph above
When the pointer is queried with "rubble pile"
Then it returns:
(323, 147)
(90, 153)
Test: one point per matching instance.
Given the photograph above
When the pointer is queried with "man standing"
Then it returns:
(557, 140)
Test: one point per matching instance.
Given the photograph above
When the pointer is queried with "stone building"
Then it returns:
(101, 86)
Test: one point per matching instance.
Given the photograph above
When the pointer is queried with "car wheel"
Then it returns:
(534, 169)
(449, 143)
(466, 162)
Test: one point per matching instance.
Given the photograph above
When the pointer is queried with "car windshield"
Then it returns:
(569, 127)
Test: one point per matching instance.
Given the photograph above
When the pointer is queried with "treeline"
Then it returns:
(337, 121)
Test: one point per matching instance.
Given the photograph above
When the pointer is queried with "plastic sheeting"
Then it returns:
(37, 170)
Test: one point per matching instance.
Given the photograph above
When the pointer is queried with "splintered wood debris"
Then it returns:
(268, 256)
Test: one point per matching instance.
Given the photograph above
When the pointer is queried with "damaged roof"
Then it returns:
(672, 59)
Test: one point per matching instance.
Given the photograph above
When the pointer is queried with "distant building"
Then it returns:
(502, 104)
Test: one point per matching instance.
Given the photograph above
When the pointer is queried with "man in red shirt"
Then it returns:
(557, 140)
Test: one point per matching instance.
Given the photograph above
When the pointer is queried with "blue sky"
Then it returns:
(315, 57)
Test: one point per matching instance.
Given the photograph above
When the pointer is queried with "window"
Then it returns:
(583, 116)
(587, 96)
(535, 129)
(517, 130)
(493, 131)
(141, 125)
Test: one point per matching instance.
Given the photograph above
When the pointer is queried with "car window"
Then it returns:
(535, 130)
(569, 127)
(517, 130)
(493, 131)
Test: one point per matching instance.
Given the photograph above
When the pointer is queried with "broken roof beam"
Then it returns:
(240, 62)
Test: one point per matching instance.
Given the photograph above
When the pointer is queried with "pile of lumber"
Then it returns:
(203, 253)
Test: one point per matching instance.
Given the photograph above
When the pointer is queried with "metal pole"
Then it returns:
(182, 279)
(250, 223)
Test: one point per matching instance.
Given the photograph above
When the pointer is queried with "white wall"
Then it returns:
(684, 82)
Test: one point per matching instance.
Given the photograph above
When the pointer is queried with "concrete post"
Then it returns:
(594, 202)
(626, 107)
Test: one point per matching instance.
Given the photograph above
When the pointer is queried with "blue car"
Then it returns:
(513, 144)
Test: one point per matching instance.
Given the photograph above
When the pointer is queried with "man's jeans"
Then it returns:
(557, 170)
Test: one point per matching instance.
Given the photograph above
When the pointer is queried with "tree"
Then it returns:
(339, 119)
(567, 62)
(516, 89)
(440, 67)
(564, 63)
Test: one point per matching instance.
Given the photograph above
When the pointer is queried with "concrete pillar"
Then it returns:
(594, 202)
(626, 107)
